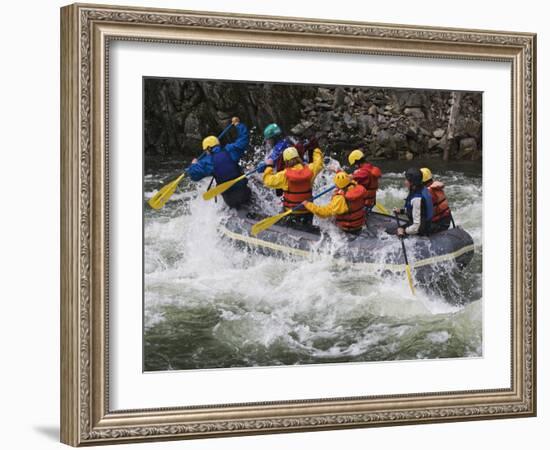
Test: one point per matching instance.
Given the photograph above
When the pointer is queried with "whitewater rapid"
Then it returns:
(208, 305)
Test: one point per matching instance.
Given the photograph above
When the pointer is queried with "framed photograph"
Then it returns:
(280, 224)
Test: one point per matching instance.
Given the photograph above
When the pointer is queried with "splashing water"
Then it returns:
(209, 305)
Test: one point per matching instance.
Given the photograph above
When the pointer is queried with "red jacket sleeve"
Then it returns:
(361, 175)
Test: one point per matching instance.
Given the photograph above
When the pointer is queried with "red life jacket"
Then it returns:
(367, 176)
(355, 218)
(300, 183)
(441, 207)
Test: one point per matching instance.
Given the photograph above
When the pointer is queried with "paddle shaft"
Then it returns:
(314, 197)
(224, 131)
(401, 238)
(176, 176)
(252, 172)
(381, 208)
(407, 267)
(388, 215)
(270, 221)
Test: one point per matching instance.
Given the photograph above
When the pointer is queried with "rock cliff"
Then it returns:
(387, 123)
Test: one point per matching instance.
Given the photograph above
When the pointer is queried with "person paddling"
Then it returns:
(442, 216)
(365, 174)
(347, 205)
(222, 162)
(296, 181)
(277, 141)
(418, 206)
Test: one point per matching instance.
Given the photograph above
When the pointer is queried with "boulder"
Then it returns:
(413, 99)
(433, 143)
(469, 127)
(466, 148)
(323, 106)
(401, 142)
(339, 95)
(365, 123)
(415, 112)
(438, 133)
(468, 144)
(349, 120)
(298, 129)
(325, 94)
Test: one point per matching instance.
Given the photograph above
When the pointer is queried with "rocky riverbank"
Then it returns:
(386, 123)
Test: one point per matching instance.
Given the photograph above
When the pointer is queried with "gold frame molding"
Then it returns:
(86, 31)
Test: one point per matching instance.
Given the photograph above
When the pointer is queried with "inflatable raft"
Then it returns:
(374, 247)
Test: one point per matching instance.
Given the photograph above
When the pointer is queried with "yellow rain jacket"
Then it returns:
(347, 205)
(335, 207)
(279, 180)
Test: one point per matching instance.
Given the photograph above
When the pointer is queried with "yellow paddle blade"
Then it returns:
(382, 209)
(266, 223)
(158, 200)
(220, 188)
(410, 278)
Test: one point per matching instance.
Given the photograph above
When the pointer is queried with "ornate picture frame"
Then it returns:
(86, 34)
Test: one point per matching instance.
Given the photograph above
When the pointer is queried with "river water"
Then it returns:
(208, 305)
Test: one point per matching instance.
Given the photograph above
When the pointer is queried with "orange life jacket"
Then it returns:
(355, 218)
(300, 183)
(441, 207)
(367, 176)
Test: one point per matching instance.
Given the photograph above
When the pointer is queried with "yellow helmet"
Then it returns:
(209, 142)
(342, 179)
(355, 156)
(290, 153)
(426, 174)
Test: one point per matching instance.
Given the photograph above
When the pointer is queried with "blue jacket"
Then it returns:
(427, 204)
(426, 208)
(222, 162)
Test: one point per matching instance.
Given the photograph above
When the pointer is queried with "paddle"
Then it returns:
(407, 266)
(382, 209)
(268, 222)
(388, 215)
(158, 200)
(221, 188)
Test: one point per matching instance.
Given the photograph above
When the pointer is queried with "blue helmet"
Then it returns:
(272, 130)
